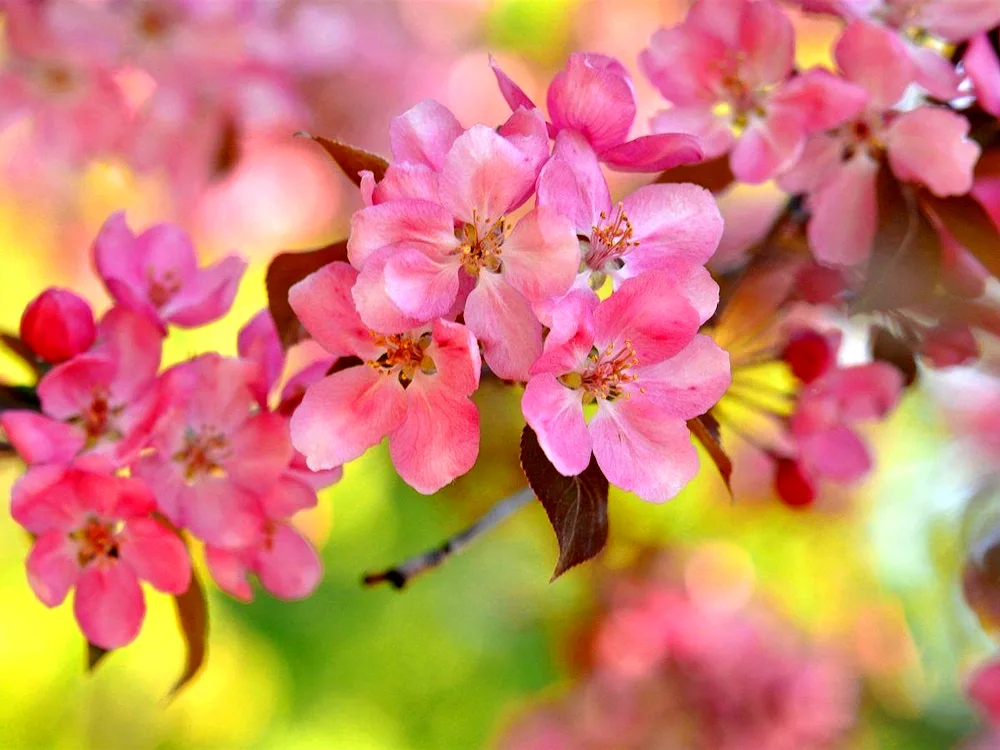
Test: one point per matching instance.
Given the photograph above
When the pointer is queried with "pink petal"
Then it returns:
(868, 391)
(594, 97)
(641, 449)
(542, 255)
(837, 453)
(456, 356)
(689, 383)
(555, 413)
(261, 451)
(571, 333)
(108, 605)
(220, 512)
(484, 176)
(423, 134)
(983, 68)
(258, 342)
(767, 148)
(935, 73)
(288, 567)
(439, 439)
(40, 440)
(229, 570)
(421, 285)
(156, 554)
(766, 42)
(114, 253)
(43, 500)
(67, 390)
(414, 222)
(208, 296)
(693, 282)
(407, 181)
(377, 310)
(682, 63)
(713, 133)
(653, 153)
(287, 497)
(165, 476)
(572, 184)
(510, 91)
(677, 221)
(875, 58)
(163, 249)
(956, 20)
(505, 325)
(113, 496)
(526, 130)
(984, 690)
(345, 414)
(323, 303)
(819, 99)
(135, 345)
(650, 313)
(844, 213)
(52, 567)
(929, 145)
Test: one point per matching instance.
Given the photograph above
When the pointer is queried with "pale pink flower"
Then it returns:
(213, 455)
(102, 401)
(57, 325)
(593, 96)
(156, 274)
(412, 386)
(740, 56)
(637, 358)
(422, 259)
(96, 533)
(655, 227)
(981, 64)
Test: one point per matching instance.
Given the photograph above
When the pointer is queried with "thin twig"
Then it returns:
(399, 575)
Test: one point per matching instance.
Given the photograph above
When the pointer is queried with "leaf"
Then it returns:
(706, 429)
(577, 506)
(906, 254)
(351, 160)
(288, 269)
(192, 614)
(95, 655)
(886, 347)
(23, 352)
(714, 175)
(971, 226)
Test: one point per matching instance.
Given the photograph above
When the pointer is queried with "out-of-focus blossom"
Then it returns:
(58, 325)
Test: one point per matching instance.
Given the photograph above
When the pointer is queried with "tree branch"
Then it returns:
(399, 575)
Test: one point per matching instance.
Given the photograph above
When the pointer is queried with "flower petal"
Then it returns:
(229, 570)
(505, 325)
(108, 605)
(875, 58)
(542, 255)
(678, 221)
(52, 567)
(555, 413)
(423, 134)
(593, 96)
(415, 222)
(930, 145)
(572, 184)
(258, 342)
(323, 303)
(288, 566)
(220, 512)
(767, 147)
(983, 67)
(766, 42)
(208, 296)
(40, 440)
(261, 451)
(844, 213)
(156, 554)
(455, 353)
(423, 286)
(714, 135)
(689, 383)
(653, 153)
(837, 454)
(510, 91)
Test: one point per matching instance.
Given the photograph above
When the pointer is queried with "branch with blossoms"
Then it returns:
(499, 251)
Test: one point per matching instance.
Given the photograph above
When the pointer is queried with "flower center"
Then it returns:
(608, 243)
(97, 419)
(404, 356)
(162, 288)
(203, 453)
(96, 539)
(56, 79)
(481, 244)
(606, 374)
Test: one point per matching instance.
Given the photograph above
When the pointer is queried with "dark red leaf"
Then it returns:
(23, 352)
(95, 655)
(227, 150)
(886, 347)
(706, 429)
(577, 506)
(714, 175)
(288, 269)
(970, 224)
(350, 159)
(192, 615)
(18, 397)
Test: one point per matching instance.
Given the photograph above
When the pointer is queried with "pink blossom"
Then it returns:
(96, 532)
(593, 97)
(741, 55)
(156, 274)
(982, 66)
(655, 227)
(638, 358)
(213, 455)
(103, 401)
(57, 325)
(984, 691)
(416, 266)
(412, 386)
(258, 342)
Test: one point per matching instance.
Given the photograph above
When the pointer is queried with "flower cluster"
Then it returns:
(125, 461)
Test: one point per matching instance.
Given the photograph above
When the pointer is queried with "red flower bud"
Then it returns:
(794, 488)
(57, 325)
(809, 354)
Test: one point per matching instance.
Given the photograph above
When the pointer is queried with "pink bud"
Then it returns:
(794, 488)
(58, 325)
(810, 355)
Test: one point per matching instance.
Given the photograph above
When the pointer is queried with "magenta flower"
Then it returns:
(739, 57)
(638, 358)
(213, 455)
(656, 227)
(58, 325)
(928, 145)
(103, 401)
(412, 386)
(981, 64)
(95, 533)
(593, 96)
(422, 259)
(156, 274)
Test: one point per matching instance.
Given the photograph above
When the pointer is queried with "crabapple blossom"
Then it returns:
(96, 532)
(982, 65)
(412, 386)
(57, 325)
(593, 97)
(156, 274)
(638, 357)
(740, 56)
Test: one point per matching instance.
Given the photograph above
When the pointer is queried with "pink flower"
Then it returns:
(656, 227)
(983, 68)
(258, 342)
(103, 401)
(741, 55)
(58, 325)
(416, 266)
(593, 96)
(412, 386)
(95, 532)
(928, 145)
(637, 357)
(156, 274)
(984, 691)
(212, 454)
